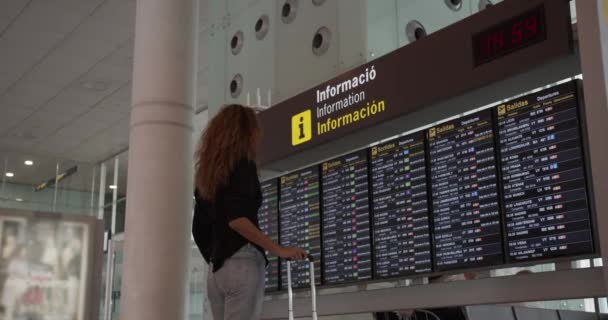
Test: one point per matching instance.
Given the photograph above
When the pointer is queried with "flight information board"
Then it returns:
(463, 165)
(543, 174)
(402, 242)
(346, 237)
(300, 222)
(268, 216)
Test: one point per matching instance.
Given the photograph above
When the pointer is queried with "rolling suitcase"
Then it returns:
(313, 289)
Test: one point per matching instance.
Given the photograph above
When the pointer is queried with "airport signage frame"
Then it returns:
(407, 80)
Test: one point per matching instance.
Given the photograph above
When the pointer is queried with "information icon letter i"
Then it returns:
(301, 127)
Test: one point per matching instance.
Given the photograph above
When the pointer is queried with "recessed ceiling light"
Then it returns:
(19, 200)
(112, 187)
(29, 163)
(9, 174)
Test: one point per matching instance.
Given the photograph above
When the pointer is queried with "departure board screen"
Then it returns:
(466, 216)
(300, 222)
(543, 173)
(268, 216)
(401, 233)
(346, 234)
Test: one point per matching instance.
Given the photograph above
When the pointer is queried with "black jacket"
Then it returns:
(241, 197)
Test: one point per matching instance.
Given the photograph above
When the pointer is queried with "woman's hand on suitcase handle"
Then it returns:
(292, 253)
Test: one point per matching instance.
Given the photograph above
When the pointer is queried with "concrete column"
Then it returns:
(593, 41)
(160, 182)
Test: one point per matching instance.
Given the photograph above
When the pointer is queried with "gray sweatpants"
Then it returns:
(236, 291)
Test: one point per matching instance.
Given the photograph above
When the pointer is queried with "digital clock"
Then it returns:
(510, 36)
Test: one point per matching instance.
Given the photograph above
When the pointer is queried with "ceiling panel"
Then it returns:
(29, 94)
(41, 27)
(100, 117)
(108, 72)
(40, 125)
(119, 101)
(9, 9)
(4, 23)
(102, 32)
(93, 150)
(60, 16)
(64, 106)
(17, 144)
(6, 80)
(54, 147)
(103, 144)
(85, 50)
(70, 136)
(42, 39)
(121, 132)
(17, 60)
(120, 12)
(24, 50)
(65, 77)
(122, 56)
(83, 95)
(11, 116)
(58, 70)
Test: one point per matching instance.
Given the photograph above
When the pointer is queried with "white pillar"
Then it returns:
(593, 40)
(160, 181)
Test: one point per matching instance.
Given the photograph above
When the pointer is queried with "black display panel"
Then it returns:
(401, 232)
(300, 223)
(543, 176)
(346, 237)
(268, 217)
(466, 219)
(510, 36)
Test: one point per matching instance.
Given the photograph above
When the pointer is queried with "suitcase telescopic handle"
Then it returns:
(313, 289)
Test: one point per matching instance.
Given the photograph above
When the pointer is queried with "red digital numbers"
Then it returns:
(517, 34)
(523, 30)
(509, 36)
(495, 42)
(532, 26)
